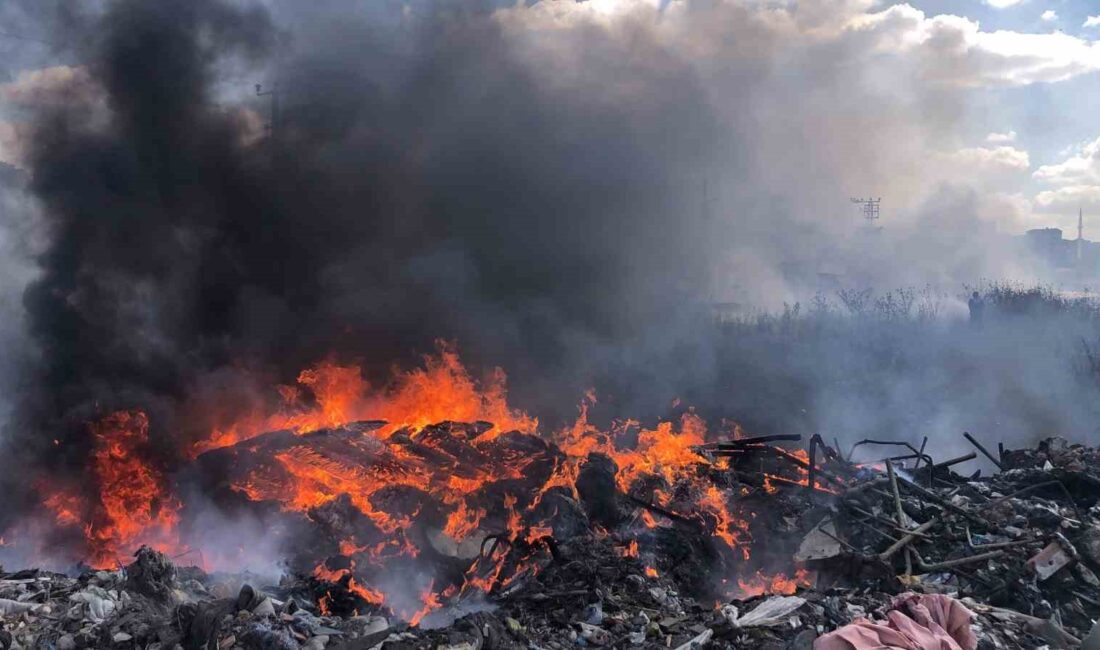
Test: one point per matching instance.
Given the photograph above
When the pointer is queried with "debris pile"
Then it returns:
(752, 545)
(1019, 545)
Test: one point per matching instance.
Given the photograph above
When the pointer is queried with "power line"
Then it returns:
(27, 38)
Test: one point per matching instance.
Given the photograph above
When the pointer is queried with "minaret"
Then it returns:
(1080, 232)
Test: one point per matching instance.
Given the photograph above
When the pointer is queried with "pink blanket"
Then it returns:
(915, 622)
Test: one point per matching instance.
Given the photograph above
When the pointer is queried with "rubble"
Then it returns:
(903, 546)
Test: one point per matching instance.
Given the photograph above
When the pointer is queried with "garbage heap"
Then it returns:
(901, 552)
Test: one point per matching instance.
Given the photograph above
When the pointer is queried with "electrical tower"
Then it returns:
(273, 92)
(870, 209)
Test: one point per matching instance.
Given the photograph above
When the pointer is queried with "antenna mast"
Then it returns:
(273, 93)
(870, 209)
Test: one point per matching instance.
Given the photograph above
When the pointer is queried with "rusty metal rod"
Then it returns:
(955, 461)
(1000, 467)
(920, 454)
(811, 477)
(947, 564)
(821, 529)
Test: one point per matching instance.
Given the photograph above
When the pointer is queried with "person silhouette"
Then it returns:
(977, 308)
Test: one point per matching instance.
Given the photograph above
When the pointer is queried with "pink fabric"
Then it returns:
(915, 622)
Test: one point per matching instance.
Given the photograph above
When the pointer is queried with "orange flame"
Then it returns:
(133, 504)
(431, 602)
(760, 583)
(442, 390)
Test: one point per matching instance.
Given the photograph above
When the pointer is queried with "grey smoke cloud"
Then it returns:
(527, 181)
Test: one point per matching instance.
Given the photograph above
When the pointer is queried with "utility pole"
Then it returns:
(273, 93)
(870, 209)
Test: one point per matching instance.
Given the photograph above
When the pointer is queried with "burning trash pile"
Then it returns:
(416, 531)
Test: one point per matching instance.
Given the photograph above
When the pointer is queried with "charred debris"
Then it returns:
(827, 552)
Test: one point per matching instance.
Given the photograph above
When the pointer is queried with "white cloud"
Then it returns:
(1001, 138)
(944, 49)
(1092, 21)
(1003, 4)
(1080, 169)
(989, 169)
(1074, 182)
(918, 68)
(993, 159)
(1049, 15)
(1069, 198)
(954, 50)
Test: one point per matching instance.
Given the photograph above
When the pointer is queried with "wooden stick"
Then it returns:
(908, 539)
(744, 442)
(899, 512)
(674, 516)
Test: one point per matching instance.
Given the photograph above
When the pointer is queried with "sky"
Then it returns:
(1024, 73)
(1053, 122)
(979, 111)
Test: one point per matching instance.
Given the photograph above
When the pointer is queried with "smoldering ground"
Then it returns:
(548, 186)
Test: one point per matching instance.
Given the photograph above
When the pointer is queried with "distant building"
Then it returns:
(1080, 255)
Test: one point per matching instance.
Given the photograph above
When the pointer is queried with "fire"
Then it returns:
(431, 602)
(463, 521)
(131, 505)
(442, 390)
(760, 583)
(450, 466)
(728, 526)
(66, 507)
(372, 596)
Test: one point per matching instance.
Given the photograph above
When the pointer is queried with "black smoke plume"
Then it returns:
(553, 193)
(416, 186)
